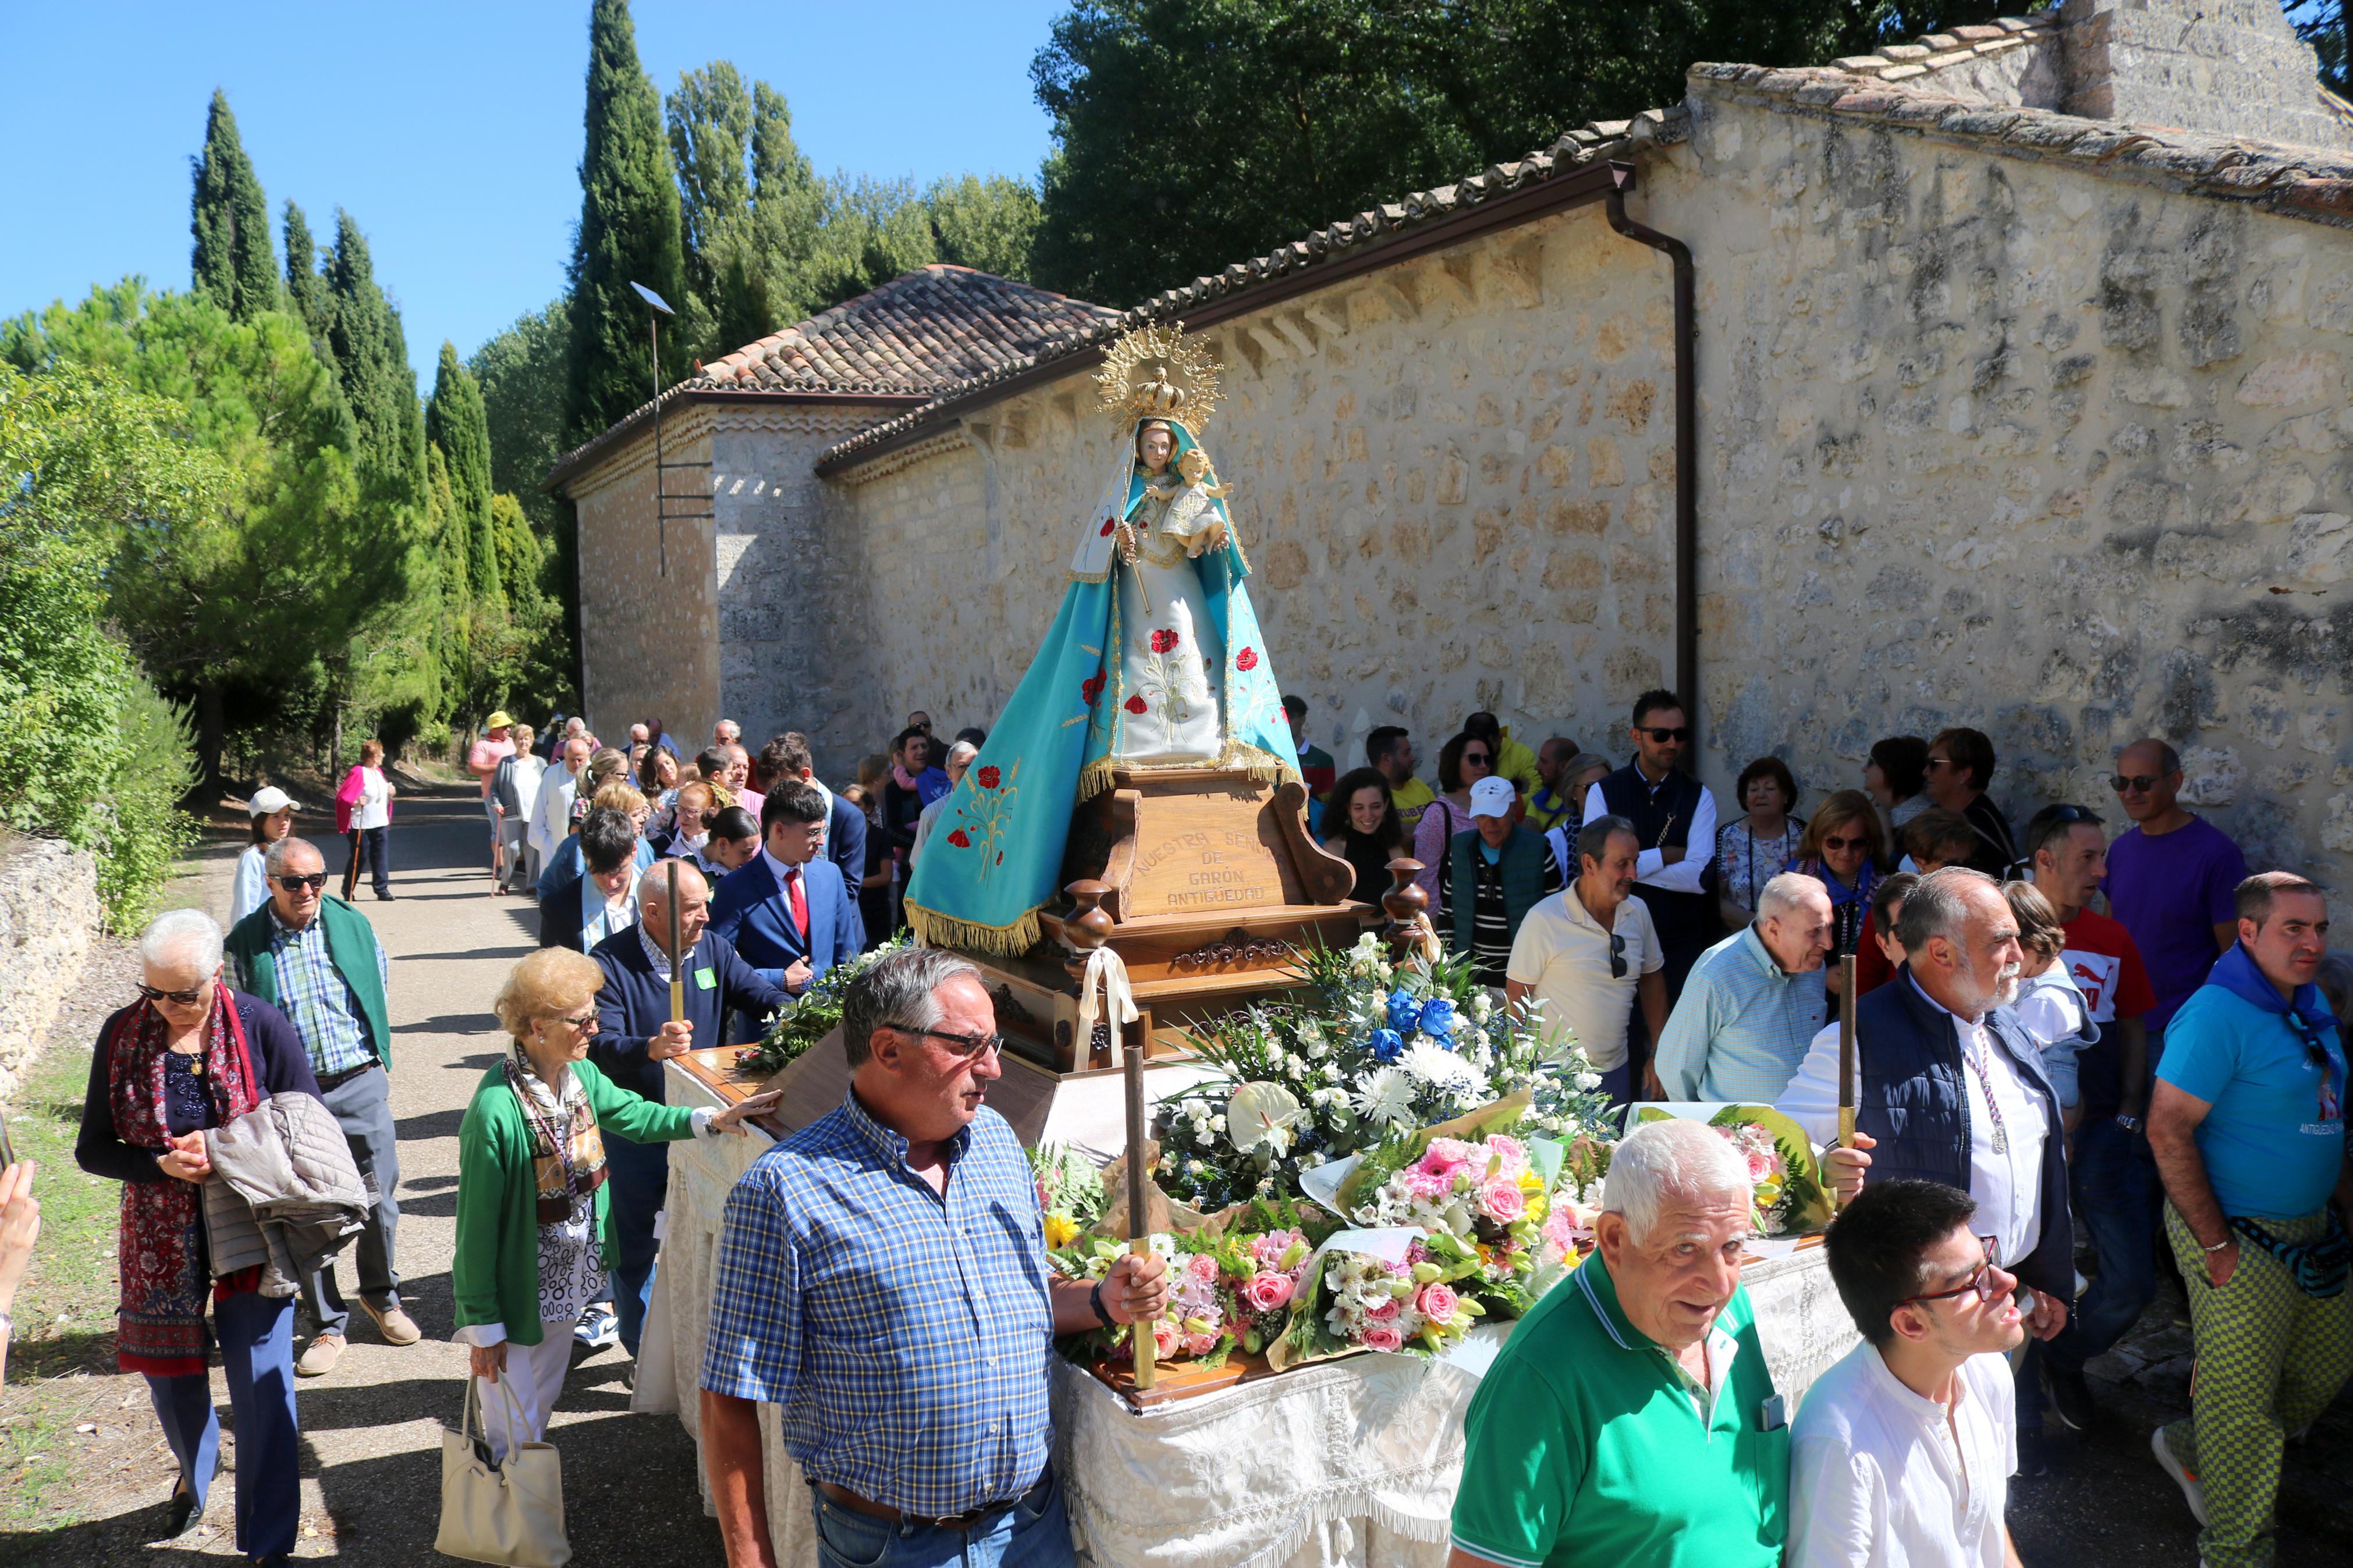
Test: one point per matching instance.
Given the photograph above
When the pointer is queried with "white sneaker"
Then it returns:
(600, 1326)
(2191, 1492)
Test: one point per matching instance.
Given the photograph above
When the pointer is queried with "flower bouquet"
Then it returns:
(1391, 1290)
(1783, 1169)
(816, 1014)
(1231, 1289)
(1070, 1192)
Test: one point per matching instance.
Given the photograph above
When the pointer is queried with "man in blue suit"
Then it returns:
(634, 1036)
(788, 757)
(789, 911)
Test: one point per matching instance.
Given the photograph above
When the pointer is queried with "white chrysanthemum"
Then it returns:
(1386, 1096)
(1426, 1062)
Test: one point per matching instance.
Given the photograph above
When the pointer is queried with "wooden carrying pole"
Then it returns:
(677, 959)
(1846, 1052)
(1139, 1222)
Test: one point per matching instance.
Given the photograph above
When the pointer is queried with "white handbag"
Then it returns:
(508, 1512)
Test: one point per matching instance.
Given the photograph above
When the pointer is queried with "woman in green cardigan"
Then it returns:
(532, 1243)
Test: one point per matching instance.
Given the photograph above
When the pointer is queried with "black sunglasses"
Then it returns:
(1981, 1279)
(2072, 815)
(314, 881)
(1836, 843)
(2316, 1051)
(971, 1047)
(1617, 956)
(1481, 758)
(187, 998)
(2136, 783)
(1660, 737)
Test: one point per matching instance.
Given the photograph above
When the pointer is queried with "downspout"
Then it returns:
(1621, 180)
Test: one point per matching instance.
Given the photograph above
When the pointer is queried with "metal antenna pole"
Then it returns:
(661, 511)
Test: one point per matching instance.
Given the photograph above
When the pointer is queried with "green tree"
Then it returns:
(989, 224)
(455, 422)
(1192, 133)
(307, 293)
(371, 356)
(234, 263)
(629, 231)
(521, 374)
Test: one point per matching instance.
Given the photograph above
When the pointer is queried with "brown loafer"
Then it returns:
(397, 1326)
(320, 1356)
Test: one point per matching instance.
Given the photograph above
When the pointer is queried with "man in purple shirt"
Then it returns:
(2172, 879)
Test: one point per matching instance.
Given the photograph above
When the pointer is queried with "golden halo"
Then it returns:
(1157, 372)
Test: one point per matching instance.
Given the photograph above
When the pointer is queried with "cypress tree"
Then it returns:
(235, 265)
(629, 229)
(306, 286)
(371, 353)
(456, 424)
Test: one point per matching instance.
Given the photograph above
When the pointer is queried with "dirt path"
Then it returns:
(371, 1429)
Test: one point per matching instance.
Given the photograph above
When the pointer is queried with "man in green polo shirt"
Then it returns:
(1630, 1418)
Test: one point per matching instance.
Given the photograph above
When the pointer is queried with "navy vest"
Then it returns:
(1661, 815)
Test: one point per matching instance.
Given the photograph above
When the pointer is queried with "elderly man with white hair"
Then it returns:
(1740, 1030)
(1630, 1417)
(960, 756)
(192, 1055)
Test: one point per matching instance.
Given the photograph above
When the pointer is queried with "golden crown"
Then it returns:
(1157, 372)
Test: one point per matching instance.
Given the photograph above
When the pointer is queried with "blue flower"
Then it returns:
(1385, 1045)
(1438, 1018)
(1405, 1012)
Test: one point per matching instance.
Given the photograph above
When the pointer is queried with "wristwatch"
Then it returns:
(1094, 1299)
(2129, 1123)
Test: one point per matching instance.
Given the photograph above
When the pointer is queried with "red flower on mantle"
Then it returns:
(1246, 659)
(1091, 687)
(960, 838)
(1105, 531)
(1164, 641)
(988, 777)
(1137, 704)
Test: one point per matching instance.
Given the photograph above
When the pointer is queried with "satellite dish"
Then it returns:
(650, 298)
(1257, 1111)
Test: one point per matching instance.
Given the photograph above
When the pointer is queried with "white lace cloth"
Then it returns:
(1351, 1462)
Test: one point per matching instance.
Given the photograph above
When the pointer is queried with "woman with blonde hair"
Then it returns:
(2050, 1007)
(1845, 850)
(532, 1243)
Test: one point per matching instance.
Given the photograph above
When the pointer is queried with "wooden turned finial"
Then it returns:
(1404, 903)
(1088, 926)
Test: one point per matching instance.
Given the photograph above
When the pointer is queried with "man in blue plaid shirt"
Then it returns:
(883, 1277)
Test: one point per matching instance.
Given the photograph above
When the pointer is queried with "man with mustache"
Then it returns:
(1952, 1090)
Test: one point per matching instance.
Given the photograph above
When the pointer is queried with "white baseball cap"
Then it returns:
(1492, 796)
(269, 801)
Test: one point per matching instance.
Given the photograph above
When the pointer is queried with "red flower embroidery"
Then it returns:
(1163, 641)
(1136, 705)
(1091, 688)
(960, 838)
(1107, 526)
(988, 777)
(1246, 659)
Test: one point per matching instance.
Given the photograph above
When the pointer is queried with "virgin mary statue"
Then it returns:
(1154, 661)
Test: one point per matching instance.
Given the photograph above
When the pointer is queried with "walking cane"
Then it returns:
(677, 959)
(1139, 1228)
(1846, 1053)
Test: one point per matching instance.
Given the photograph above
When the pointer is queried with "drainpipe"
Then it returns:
(1621, 180)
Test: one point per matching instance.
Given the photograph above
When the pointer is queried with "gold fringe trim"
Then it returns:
(1263, 765)
(936, 930)
(1095, 778)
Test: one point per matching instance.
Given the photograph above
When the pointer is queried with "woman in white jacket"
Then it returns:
(273, 819)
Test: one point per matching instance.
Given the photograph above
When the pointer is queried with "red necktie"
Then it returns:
(799, 901)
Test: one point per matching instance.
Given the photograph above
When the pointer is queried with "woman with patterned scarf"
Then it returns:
(194, 1055)
(532, 1245)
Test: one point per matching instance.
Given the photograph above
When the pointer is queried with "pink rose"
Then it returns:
(1560, 1232)
(1201, 1345)
(1502, 1201)
(1165, 1338)
(1514, 1152)
(1383, 1311)
(1268, 1249)
(1437, 1302)
(1266, 1292)
(1381, 1337)
(1759, 1167)
(1202, 1267)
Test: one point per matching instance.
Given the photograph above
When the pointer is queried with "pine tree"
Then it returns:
(235, 265)
(371, 353)
(456, 424)
(629, 229)
(306, 287)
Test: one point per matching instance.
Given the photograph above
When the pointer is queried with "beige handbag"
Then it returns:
(510, 1511)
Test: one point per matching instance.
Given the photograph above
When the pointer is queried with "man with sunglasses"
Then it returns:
(316, 958)
(2248, 1127)
(881, 1276)
(1903, 1451)
(1589, 952)
(1670, 812)
(2173, 881)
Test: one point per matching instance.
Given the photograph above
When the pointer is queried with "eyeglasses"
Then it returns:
(314, 881)
(2133, 783)
(970, 1047)
(1660, 737)
(1835, 842)
(1481, 758)
(586, 1023)
(1617, 956)
(2074, 813)
(1981, 1279)
(1933, 764)
(187, 998)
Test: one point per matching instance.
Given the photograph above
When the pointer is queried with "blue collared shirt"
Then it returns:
(1740, 1030)
(906, 1336)
(313, 993)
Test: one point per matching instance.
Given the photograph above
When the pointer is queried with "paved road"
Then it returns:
(371, 1428)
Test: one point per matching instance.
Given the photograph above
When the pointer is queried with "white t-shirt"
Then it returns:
(1880, 1476)
(1562, 955)
(375, 809)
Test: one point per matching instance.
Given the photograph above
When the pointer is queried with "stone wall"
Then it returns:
(49, 915)
(646, 644)
(2054, 448)
(2229, 65)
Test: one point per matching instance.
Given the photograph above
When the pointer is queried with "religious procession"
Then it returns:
(1129, 1134)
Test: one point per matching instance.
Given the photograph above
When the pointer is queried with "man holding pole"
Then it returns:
(881, 1275)
(669, 987)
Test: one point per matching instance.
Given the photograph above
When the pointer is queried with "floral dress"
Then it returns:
(571, 1260)
(1168, 645)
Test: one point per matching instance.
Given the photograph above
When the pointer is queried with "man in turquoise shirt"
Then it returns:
(1630, 1418)
(1753, 1003)
(2247, 1125)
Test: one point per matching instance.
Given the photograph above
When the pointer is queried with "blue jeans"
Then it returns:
(1619, 1085)
(1033, 1533)
(2117, 1198)
(257, 1343)
(639, 1181)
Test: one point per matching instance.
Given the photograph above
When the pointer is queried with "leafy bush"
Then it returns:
(148, 830)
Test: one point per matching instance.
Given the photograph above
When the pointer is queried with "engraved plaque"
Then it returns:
(1206, 854)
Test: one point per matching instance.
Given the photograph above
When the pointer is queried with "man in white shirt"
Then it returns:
(551, 812)
(1902, 1453)
(1588, 950)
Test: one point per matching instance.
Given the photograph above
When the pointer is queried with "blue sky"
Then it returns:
(450, 131)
